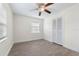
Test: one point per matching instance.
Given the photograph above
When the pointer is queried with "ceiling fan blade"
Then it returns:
(39, 13)
(48, 4)
(47, 11)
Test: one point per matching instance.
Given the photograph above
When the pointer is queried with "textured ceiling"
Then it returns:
(26, 9)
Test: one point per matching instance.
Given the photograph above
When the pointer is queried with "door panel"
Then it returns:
(57, 31)
(54, 30)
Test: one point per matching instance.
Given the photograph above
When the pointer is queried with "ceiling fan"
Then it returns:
(43, 7)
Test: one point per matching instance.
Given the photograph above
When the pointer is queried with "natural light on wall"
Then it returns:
(2, 22)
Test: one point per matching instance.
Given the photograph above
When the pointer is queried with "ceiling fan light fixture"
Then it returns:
(42, 9)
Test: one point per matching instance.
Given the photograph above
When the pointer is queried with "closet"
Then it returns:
(57, 31)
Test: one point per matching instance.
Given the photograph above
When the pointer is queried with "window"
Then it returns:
(35, 27)
(2, 30)
(2, 22)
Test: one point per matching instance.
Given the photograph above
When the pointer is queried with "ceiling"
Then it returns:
(27, 9)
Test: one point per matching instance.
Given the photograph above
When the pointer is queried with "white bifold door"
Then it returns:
(57, 31)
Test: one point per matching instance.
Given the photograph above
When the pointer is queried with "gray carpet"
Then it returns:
(40, 48)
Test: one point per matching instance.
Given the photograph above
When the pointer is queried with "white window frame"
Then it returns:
(35, 27)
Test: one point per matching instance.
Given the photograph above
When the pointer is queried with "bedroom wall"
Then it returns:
(23, 28)
(71, 27)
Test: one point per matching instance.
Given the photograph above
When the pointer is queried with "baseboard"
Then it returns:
(57, 44)
(26, 41)
(10, 48)
(48, 40)
(71, 48)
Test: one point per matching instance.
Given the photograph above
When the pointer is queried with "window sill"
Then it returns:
(2, 39)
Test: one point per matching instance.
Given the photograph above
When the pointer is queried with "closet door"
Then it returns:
(59, 31)
(54, 31)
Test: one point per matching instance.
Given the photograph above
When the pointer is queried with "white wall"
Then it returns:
(71, 27)
(23, 29)
(6, 43)
(70, 19)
